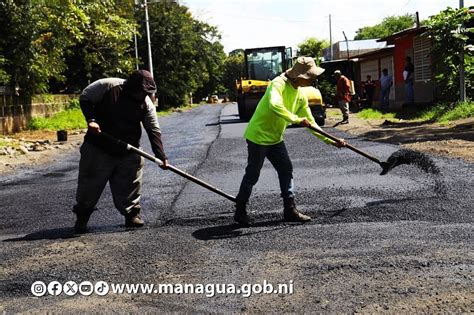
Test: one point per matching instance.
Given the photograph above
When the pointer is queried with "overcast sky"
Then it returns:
(260, 23)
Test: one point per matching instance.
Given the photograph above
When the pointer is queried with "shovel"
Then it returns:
(386, 166)
(175, 170)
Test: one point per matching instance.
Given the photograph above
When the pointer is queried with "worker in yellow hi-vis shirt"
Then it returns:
(283, 104)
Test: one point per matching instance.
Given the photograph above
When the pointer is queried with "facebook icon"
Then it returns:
(55, 288)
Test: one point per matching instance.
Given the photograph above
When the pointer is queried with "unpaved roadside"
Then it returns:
(32, 148)
(454, 140)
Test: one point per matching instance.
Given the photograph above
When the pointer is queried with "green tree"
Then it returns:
(234, 69)
(187, 55)
(4, 77)
(105, 48)
(449, 37)
(15, 42)
(387, 27)
(312, 47)
(51, 45)
(211, 55)
(58, 26)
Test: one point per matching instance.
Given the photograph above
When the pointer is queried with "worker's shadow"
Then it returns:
(65, 233)
(236, 230)
(52, 234)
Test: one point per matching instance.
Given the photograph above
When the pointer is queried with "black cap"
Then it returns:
(140, 80)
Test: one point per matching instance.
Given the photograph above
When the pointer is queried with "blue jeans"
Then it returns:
(409, 93)
(278, 156)
(384, 96)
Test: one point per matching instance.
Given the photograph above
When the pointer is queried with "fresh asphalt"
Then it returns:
(376, 243)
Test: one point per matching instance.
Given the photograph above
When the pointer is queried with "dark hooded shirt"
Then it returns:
(111, 103)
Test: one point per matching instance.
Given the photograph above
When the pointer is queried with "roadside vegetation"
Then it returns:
(441, 113)
(371, 113)
(447, 112)
(68, 119)
(72, 118)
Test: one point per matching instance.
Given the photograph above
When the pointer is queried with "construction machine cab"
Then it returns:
(261, 66)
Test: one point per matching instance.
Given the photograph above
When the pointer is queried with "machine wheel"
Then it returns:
(241, 107)
(243, 115)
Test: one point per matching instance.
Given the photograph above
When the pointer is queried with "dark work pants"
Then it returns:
(278, 156)
(124, 174)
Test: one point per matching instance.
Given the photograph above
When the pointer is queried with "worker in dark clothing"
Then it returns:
(409, 76)
(118, 108)
(369, 89)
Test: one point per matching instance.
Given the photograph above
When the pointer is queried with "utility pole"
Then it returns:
(136, 50)
(144, 5)
(462, 79)
(147, 22)
(330, 39)
(347, 45)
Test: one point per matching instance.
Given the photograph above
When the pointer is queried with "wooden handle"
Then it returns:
(364, 154)
(169, 167)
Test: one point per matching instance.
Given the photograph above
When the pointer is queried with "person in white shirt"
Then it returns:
(386, 82)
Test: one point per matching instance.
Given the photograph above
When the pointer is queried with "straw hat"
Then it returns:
(304, 68)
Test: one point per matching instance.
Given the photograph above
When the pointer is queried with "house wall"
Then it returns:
(374, 65)
(403, 48)
(424, 88)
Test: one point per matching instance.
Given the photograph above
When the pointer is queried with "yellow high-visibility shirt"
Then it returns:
(281, 105)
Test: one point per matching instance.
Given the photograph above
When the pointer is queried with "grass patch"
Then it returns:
(12, 143)
(371, 113)
(4, 143)
(73, 118)
(68, 119)
(447, 112)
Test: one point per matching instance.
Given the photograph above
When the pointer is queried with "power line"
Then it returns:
(408, 2)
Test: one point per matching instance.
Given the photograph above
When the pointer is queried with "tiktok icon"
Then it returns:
(101, 288)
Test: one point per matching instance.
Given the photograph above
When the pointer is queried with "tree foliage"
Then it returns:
(4, 77)
(15, 42)
(387, 27)
(234, 69)
(449, 37)
(105, 47)
(187, 54)
(312, 47)
(59, 45)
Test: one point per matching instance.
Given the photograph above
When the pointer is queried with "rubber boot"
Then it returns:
(134, 222)
(291, 214)
(241, 215)
(80, 226)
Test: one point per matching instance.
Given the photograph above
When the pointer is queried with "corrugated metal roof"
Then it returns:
(361, 44)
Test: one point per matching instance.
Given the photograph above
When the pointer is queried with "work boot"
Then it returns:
(134, 221)
(291, 214)
(241, 215)
(80, 226)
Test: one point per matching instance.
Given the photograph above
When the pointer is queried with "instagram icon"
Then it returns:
(39, 288)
